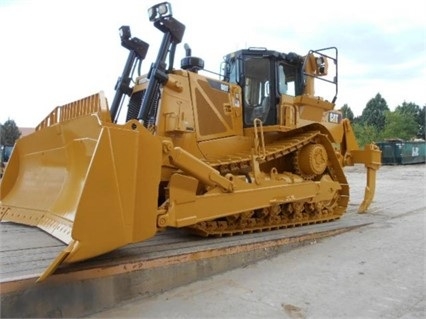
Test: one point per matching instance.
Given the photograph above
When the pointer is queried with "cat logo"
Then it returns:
(334, 117)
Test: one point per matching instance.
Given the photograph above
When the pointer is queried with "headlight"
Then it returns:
(160, 11)
(124, 32)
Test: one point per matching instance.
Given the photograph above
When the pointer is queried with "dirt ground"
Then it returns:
(377, 271)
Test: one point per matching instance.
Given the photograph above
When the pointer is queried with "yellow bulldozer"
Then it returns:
(249, 149)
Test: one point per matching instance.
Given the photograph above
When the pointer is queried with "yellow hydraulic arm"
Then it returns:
(370, 156)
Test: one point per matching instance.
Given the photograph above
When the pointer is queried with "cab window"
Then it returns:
(256, 89)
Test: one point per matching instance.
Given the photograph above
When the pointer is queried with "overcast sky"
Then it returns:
(54, 52)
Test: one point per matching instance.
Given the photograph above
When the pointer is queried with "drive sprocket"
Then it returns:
(310, 161)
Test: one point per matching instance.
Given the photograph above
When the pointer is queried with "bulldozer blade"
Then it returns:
(92, 184)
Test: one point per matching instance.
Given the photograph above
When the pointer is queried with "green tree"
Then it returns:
(9, 133)
(347, 112)
(400, 124)
(421, 121)
(365, 134)
(417, 112)
(374, 112)
(409, 108)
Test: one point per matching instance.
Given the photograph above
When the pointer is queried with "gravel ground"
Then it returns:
(377, 271)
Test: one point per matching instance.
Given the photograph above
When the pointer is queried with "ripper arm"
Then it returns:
(370, 156)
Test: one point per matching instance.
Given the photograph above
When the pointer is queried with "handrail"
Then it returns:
(259, 148)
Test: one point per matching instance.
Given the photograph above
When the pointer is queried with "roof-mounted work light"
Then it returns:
(160, 11)
(124, 32)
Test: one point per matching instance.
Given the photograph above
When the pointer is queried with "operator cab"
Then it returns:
(265, 76)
